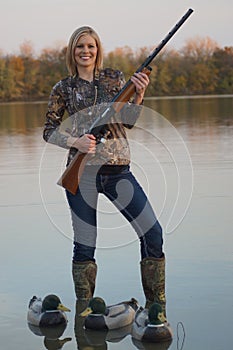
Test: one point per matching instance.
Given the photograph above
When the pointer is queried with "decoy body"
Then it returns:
(102, 317)
(150, 326)
(46, 312)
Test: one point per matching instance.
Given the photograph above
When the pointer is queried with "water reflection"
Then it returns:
(192, 112)
(198, 120)
(51, 336)
(197, 110)
(151, 346)
(21, 118)
(207, 121)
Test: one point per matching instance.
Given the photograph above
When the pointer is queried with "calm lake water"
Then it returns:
(182, 153)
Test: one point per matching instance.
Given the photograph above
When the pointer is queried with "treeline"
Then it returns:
(200, 67)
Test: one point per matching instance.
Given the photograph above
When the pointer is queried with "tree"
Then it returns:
(197, 63)
(199, 49)
(2, 76)
(223, 62)
(122, 58)
(30, 70)
(52, 69)
(26, 49)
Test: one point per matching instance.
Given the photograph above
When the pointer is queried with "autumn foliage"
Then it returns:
(201, 67)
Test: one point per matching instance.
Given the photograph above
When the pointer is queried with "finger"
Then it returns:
(142, 77)
(139, 86)
(92, 149)
(144, 81)
(91, 137)
(139, 83)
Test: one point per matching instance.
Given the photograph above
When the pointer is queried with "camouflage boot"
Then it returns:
(153, 281)
(84, 276)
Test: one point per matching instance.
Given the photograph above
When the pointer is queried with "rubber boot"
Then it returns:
(84, 276)
(153, 281)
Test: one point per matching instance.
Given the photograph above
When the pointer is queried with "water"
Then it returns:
(185, 162)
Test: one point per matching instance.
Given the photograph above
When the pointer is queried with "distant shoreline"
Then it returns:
(187, 97)
(146, 98)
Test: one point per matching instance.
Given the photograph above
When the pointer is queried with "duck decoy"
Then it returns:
(102, 317)
(47, 312)
(150, 325)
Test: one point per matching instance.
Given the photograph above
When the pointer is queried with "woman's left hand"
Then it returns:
(141, 81)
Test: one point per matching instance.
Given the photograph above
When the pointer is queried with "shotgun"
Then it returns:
(71, 176)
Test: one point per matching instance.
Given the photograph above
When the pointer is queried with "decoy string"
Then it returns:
(178, 345)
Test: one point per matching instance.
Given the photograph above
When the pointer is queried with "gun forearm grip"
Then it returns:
(128, 92)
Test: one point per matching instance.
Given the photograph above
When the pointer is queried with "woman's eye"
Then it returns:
(82, 46)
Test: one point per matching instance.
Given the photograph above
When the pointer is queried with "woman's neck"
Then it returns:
(86, 74)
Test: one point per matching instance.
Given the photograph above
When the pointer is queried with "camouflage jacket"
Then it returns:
(82, 100)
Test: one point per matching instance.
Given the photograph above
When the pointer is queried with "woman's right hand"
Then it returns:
(85, 143)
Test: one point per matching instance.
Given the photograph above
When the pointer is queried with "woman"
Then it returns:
(86, 89)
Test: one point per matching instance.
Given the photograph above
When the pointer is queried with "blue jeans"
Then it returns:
(123, 190)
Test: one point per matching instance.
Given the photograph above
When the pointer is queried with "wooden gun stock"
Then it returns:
(71, 176)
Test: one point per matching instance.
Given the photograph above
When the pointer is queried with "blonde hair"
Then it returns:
(70, 59)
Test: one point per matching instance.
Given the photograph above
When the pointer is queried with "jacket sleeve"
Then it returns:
(54, 116)
(129, 114)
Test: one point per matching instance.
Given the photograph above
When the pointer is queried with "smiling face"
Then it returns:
(94, 49)
(85, 52)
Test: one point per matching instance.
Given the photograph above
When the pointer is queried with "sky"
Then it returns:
(133, 23)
